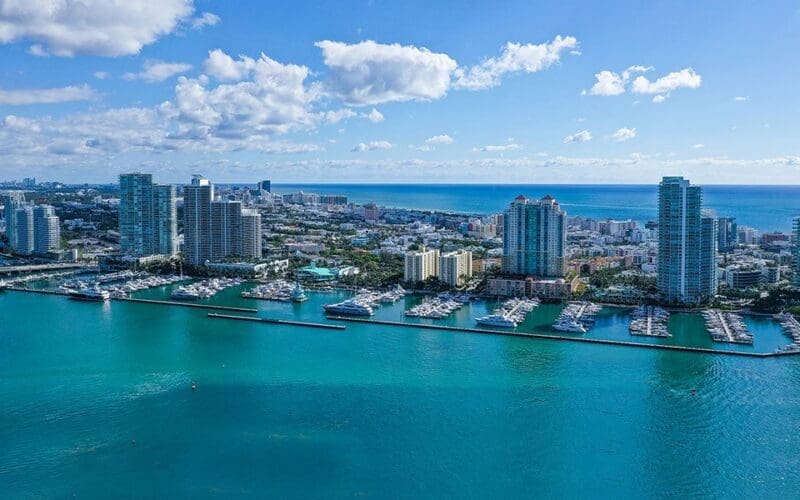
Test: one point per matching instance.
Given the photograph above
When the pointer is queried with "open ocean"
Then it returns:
(767, 208)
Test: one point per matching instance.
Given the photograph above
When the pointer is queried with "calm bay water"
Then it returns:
(97, 403)
(767, 208)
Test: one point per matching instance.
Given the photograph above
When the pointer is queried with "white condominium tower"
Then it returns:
(455, 267)
(421, 265)
(197, 198)
(687, 245)
(46, 230)
(535, 238)
(147, 216)
(217, 229)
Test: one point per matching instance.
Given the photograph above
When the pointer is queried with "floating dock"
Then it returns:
(727, 327)
(276, 321)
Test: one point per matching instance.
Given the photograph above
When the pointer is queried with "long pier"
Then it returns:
(186, 304)
(544, 336)
(276, 321)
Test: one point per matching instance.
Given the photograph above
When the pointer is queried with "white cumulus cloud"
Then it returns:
(685, 78)
(609, 83)
(371, 73)
(582, 136)
(158, 71)
(100, 27)
(623, 134)
(515, 57)
(205, 19)
(372, 146)
(22, 97)
(498, 148)
(440, 139)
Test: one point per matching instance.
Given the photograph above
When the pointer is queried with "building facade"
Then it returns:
(147, 216)
(12, 200)
(46, 230)
(197, 198)
(24, 230)
(421, 265)
(251, 234)
(535, 238)
(727, 234)
(687, 245)
(216, 230)
(455, 268)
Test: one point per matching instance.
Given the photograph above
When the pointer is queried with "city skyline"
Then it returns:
(405, 95)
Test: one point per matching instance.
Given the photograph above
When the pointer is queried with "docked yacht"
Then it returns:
(350, 308)
(90, 294)
(496, 320)
(298, 294)
(569, 325)
(185, 293)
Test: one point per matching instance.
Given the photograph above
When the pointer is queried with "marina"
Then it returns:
(510, 314)
(204, 289)
(365, 302)
(277, 290)
(438, 307)
(791, 327)
(649, 321)
(726, 327)
(119, 284)
(577, 317)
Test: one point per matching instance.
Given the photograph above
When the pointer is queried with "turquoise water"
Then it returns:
(767, 208)
(97, 402)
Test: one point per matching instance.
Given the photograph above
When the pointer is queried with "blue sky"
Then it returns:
(457, 92)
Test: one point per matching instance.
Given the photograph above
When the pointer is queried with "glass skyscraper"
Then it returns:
(687, 245)
(535, 238)
(147, 216)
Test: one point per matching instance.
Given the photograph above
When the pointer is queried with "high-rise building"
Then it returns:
(727, 233)
(147, 216)
(215, 230)
(46, 230)
(265, 186)
(371, 212)
(455, 268)
(687, 244)
(24, 230)
(251, 234)
(226, 229)
(12, 200)
(421, 265)
(165, 220)
(535, 238)
(197, 199)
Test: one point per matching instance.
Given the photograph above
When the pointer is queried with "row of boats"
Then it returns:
(649, 321)
(510, 314)
(727, 327)
(577, 317)
(204, 289)
(119, 290)
(365, 302)
(438, 307)
(278, 290)
(792, 328)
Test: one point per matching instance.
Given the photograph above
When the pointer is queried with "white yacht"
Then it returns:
(349, 307)
(91, 294)
(496, 320)
(569, 325)
(185, 293)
